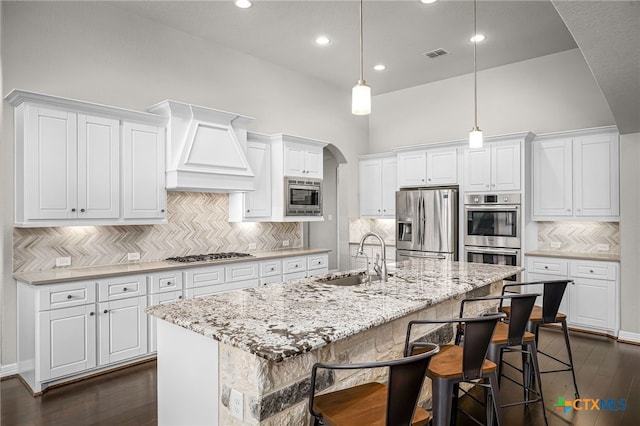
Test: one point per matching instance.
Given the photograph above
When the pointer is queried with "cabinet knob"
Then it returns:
(487, 185)
(568, 210)
(248, 210)
(296, 266)
(272, 269)
(179, 297)
(422, 180)
(106, 311)
(92, 314)
(579, 210)
(162, 211)
(69, 297)
(378, 210)
(546, 267)
(591, 271)
(125, 289)
(73, 209)
(82, 210)
(429, 179)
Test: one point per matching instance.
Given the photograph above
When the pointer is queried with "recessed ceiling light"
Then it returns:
(322, 40)
(477, 38)
(243, 4)
(380, 67)
(428, 1)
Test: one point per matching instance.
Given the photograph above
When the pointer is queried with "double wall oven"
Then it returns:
(493, 229)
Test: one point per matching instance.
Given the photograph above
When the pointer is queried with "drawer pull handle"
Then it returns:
(106, 311)
(69, 297)
(91, 314)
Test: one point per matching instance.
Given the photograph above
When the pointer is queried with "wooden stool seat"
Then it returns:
(501, 334)
(447, 364)
(360, 405)
(536, 314)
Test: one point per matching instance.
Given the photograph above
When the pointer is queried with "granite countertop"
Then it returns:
(280, 321)
(610, 257)
(92, 272)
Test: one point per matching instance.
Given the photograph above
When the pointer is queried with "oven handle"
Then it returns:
(435, 256)
(476, 207)
(491, 250)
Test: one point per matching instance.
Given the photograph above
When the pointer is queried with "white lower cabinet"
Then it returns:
(591, 302)
(122, 329)
(67, 341)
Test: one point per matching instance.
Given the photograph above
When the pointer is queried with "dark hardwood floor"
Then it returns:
(605, 369)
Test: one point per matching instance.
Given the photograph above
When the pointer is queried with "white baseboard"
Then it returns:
(8, 370)
(627, 336)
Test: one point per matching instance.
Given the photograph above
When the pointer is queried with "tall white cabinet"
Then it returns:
(79, 163)
(576, 176)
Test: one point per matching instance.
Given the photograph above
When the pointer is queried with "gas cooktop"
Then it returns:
(210, 256)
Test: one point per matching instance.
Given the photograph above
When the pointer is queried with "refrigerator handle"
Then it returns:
(419, 220)
(423, 221)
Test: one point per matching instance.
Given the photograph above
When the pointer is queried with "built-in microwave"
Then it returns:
(303, 197)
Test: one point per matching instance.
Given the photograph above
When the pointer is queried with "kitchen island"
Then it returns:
(253, 349)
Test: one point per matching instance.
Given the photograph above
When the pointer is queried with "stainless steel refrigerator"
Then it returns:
(427, 223)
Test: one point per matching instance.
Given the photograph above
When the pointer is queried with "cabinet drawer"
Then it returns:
(545, 265)
(316, 272)
(593, 269)
(273, 279)
(294, 264)
(202, 277)
(318, 261)
(241, 272)
(122, 287)
(164, 282)
(67, 295)
(294, 276)
(271, 268)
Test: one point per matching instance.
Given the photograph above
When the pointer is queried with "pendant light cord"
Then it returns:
(475, 72)
(361, 46)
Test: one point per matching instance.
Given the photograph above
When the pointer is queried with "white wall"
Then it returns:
(630, 233)
(96, 52)
(541, 95)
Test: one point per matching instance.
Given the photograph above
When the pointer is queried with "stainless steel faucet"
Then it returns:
(380, 269)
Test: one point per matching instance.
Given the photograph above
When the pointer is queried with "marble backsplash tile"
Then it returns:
(582, 237)
(386, 228)
(197, 223)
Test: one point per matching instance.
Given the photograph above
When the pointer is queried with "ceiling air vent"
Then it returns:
(432, 54)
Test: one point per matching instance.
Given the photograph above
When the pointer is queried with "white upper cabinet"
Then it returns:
(378, 186)
(495, 167)
(255, 205)
(143, 172)
(302, 160)
(576, 176)
(428, 167)
(73, 167)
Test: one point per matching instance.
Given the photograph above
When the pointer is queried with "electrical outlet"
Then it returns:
(556, 244)
(285, 243)
(236, 403)
(63, 261)
(603, 247)
(133, 256)
(252, 246)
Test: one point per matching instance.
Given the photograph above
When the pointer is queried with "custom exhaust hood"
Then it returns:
(206, 149)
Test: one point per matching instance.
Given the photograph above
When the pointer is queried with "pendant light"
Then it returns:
(361, 93)
(475, 135)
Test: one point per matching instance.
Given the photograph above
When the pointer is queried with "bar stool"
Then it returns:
(552, 294)
(374, 403)
(513, 337)
(454, 365)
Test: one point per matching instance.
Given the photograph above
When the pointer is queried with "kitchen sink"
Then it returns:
(350, 280)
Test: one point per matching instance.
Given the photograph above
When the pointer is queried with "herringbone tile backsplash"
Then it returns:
(580, 237)
(386, 228)
(197, 223)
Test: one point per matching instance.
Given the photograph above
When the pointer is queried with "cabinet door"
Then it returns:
(596, 175)
(313, 162)
(294, 158)
(258, 202)
(123, 329)
(370, 188)
(50, 168)
(67, 341)
(477, 169)
(389, 186)
(144, 194)
(552, 178)
(505, 166)
(98, 167)
(412, 169)
(592, 303)
(442, 167)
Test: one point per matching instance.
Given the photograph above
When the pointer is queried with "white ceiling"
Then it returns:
(396, 33)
